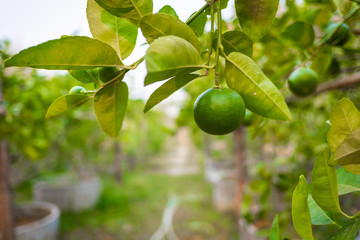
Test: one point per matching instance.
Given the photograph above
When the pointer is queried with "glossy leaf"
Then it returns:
(344, 118)
(115, 31)
(258, 92)
(66, 102)
(344, 6)
(110, 106)
(158, 25)
(348, 182)
(198, 24)
(275, 231)
(349, 150)
(299, 34)
(168, 10)
(133, 10)
(318, 216)
(85, 76)
(349, 232)
(300, 210)
(237, 41)
(321, 62)
(170, 56)
(256, 17)
(66, 53)
(324, 187)
(168, 88)
(223, 5)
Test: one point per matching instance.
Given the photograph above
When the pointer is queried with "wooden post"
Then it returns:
(6, 207)
(240, 156)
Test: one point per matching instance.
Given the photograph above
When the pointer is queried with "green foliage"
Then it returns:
(256, 17)
(66, 102)
(132, 10)
(300, 210)
(170, 56)
(158, 25)
(67, 53)
(167, 89)
(110, 104)
(117, 32)
(260, 95)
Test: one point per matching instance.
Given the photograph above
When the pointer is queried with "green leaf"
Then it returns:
(198, 24)
(344, 6)
(258, 92)
(170, 56)
(167, 89)
(237, 41)
(318, 216)
(65, 103)
(85, 76)
(321, 62)
(168, 10)
(349, 150)
(347, 182)
(256, 17)
(324, 187)
(275, 231)
(158, 25)
(223, 5)
(117, 32)
(133, 10)
(299, 34)
(349, 232)
(344, 118)
(110, 106)
(66, 53)
(300, 210)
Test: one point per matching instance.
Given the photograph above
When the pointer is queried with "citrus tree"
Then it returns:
(248, 61)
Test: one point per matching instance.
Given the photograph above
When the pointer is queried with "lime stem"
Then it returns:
(219, 44)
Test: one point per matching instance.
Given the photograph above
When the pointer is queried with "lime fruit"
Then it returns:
(77, 89)
(107, 73)
(303, 81)
(340, 36)
(219, 111)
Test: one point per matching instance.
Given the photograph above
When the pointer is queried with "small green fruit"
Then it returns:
(219, 111)
(77, 90)
(340, 36)
(303, 81)
(107, 73)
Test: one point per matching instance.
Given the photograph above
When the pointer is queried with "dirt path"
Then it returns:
(181, 156)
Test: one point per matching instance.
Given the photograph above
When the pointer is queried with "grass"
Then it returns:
(133, 210)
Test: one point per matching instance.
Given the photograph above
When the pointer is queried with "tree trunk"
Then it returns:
(6, 207)
(239, 138)
(117, 162)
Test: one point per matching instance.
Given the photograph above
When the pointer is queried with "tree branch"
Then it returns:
(341, 82)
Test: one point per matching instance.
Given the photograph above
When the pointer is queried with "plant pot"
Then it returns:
(36, 221)
(68, 193)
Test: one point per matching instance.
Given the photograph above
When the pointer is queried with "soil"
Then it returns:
(25, 216)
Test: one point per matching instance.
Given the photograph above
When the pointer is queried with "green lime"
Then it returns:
(219, 111)
(107, 73)
(340, 36)
(77, 89)
(303, 81)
